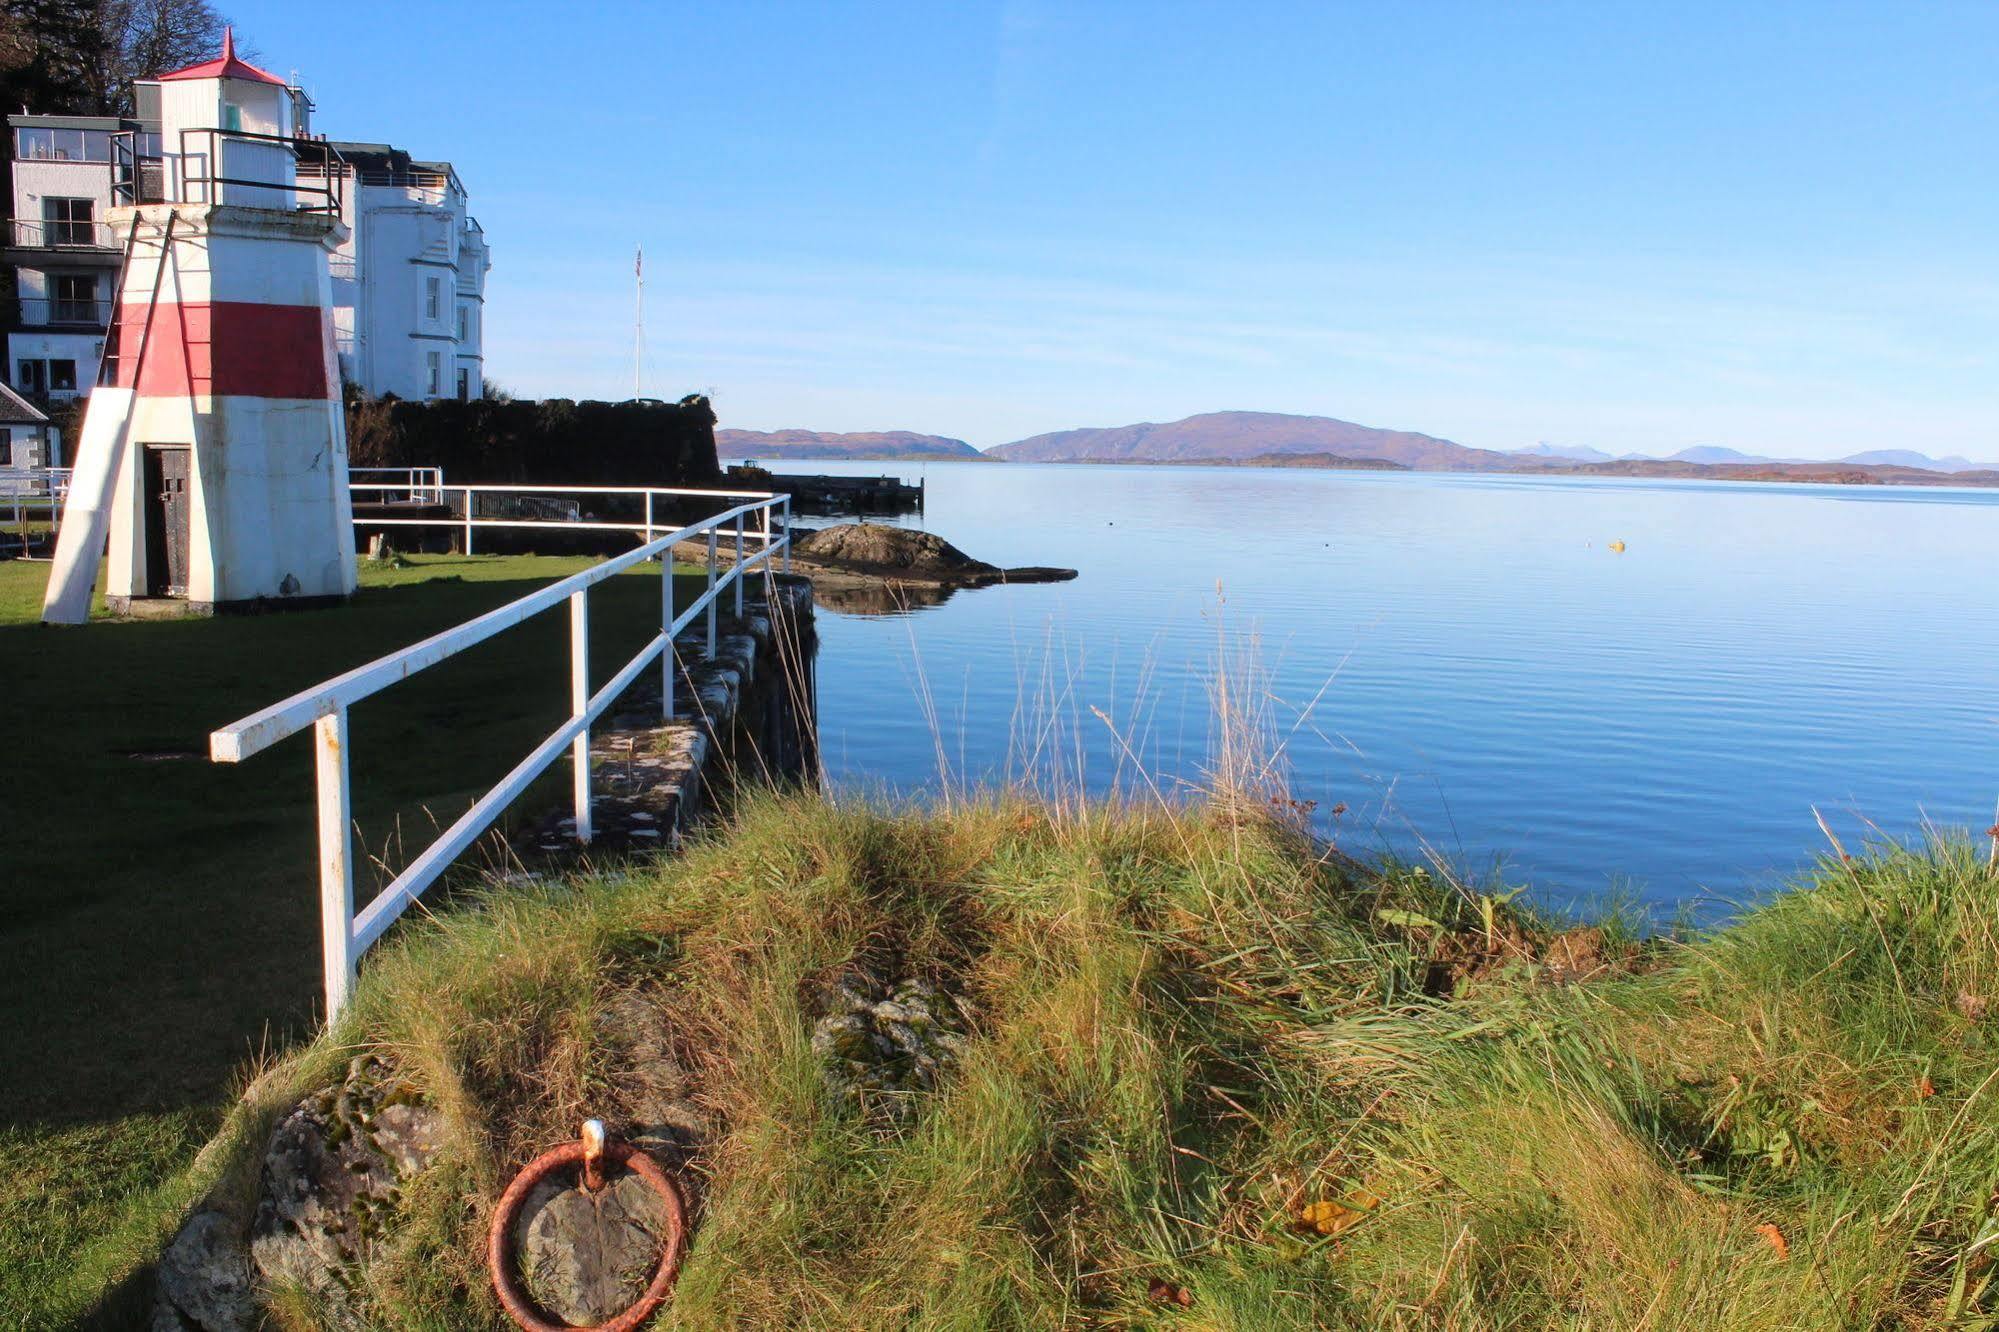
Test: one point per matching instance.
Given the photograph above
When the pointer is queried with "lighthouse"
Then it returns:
(212, 465)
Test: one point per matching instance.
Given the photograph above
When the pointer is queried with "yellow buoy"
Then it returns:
(1617, 546)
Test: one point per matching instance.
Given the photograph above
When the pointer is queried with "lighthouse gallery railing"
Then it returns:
(346, 935)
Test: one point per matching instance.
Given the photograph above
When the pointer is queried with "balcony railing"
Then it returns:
(138, 176)
(54, 312)
(35, 233)
(311, 183)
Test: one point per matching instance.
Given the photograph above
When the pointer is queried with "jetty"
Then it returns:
(833, 496)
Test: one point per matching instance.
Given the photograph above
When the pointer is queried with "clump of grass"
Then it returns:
(1219, 1078)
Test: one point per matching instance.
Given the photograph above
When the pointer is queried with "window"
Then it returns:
(69, 221)
(75, 299)
(463, 322)
(464, 384)
(433, 293)
(37, 144)
(435, 363)
(232, 116)
(45, 377)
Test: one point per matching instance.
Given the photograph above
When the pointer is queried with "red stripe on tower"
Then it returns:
(224, 348)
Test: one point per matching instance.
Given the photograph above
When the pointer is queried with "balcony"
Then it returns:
(42, 234)
(286, 173)
(80, 316)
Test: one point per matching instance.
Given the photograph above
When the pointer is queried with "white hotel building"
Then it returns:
(408, 286)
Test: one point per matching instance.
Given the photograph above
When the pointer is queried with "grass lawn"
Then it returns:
(159, 912)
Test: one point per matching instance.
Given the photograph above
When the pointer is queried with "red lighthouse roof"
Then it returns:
(225, 66)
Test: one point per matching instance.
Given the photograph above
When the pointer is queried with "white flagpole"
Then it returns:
(639, 330)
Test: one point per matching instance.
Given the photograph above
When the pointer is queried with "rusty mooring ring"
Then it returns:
(586, 1155)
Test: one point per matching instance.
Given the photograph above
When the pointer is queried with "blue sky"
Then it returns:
(1769, 226)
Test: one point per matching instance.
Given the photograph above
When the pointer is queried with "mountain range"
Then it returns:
(1268, 438)
(1720, 456)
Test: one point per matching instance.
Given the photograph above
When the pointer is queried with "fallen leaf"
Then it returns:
(1925, 1088)
(1327, 1217)
(1165, 1292)
(1768, 1230)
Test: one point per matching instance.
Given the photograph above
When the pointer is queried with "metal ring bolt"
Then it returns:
(587, 1157)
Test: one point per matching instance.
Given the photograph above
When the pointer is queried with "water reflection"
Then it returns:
(880, 598)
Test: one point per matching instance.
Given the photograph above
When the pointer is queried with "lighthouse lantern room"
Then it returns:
(212, 467)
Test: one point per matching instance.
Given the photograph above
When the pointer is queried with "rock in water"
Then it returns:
(873, 546)
(586, 1258)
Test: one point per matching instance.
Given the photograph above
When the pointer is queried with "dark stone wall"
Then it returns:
(552, 442)
(555, 442)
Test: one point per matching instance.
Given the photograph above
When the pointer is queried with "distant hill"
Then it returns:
(1240, 435)
(1902, 458)
(1839, 472)
(1336, 461)
(885, 444)
(1910, 458)
(1715, 453)
(1572, 452)
(1329, 461)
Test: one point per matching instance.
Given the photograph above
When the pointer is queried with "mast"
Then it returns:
(639, 327)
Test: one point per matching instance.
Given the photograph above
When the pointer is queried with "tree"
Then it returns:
(80, 57)
(51, 55)
(144, 38)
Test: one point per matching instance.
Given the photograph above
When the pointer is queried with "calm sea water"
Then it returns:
(1463, 661)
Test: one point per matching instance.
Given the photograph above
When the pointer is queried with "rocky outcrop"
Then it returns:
(880, 1046)
(332, 1174)
(875, 555)
(332, 1177)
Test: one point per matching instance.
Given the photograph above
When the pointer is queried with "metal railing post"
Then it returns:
(739, 566)
(468, 520)
(579, 704)
(787, 534)
(666, 657)
(711, 594)
(764, 513)
(336, 864)
(667, 558)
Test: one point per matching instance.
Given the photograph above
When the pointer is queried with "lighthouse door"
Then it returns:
(167, 519)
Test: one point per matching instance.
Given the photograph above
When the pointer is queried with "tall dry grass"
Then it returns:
(1218, 1076)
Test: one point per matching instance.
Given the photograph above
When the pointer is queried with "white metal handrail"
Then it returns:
(26, 491)
(466, 519)
(402, 485)
(345, 935)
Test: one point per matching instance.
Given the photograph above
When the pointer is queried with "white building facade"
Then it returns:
(409, 284)
(61, 247)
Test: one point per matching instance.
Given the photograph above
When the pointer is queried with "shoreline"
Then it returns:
(1525, 473)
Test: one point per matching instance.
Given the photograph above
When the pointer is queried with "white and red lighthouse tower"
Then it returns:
(213, 461)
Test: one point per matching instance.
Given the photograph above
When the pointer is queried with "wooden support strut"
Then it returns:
(73, 579)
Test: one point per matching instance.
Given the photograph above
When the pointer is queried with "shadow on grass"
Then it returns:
(162, 911)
